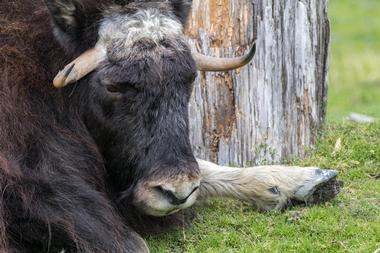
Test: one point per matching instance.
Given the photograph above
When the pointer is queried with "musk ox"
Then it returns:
(88, 167)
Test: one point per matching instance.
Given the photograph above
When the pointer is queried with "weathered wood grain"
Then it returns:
(271, 109)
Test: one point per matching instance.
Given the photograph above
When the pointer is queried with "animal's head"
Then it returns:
(138, 73)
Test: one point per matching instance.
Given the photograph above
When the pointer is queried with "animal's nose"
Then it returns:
(178, 195)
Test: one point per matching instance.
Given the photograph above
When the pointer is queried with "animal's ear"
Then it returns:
(68, 16)
(181, 9)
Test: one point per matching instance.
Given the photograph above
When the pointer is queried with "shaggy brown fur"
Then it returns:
(52, 191)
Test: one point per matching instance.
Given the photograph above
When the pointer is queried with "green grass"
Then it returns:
(351, 223)
(355, 58)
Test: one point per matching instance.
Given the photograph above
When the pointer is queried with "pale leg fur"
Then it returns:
(267, 187)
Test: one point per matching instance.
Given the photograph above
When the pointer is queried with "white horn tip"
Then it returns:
(65, 76)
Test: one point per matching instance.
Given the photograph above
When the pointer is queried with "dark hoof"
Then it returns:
(322, 188)
(326, 191)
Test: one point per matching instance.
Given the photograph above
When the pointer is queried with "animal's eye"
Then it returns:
(113, 87)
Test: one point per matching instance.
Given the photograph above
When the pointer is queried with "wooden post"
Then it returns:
(271, 109)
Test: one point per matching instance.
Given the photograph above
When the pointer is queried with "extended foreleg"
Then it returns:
(268, 187)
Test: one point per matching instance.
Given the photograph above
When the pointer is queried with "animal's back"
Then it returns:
(26, 47)
(41, 140)
(35, 118)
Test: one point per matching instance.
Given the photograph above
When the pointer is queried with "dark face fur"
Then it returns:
(136, 102)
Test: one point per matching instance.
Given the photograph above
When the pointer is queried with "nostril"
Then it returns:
(173, 198)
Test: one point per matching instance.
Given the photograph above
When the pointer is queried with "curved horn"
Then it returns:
(80, 67)
(208, 63)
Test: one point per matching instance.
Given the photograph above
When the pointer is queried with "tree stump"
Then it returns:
(271, 109)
